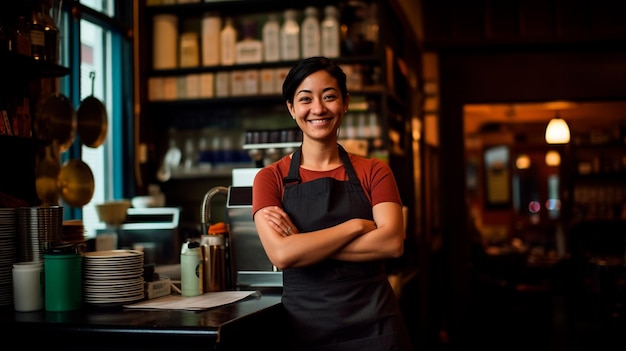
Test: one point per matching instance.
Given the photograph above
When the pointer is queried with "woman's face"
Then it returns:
(318, 107)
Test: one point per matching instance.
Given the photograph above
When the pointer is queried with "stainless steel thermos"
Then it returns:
(214, 262)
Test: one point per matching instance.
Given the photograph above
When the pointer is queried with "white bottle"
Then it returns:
(331, 35)
(211, 27)
(249, 49)
(290, 37)
(228, 42)
(310, 33)
(271, 39)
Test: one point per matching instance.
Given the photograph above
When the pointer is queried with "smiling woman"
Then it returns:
(329, 219)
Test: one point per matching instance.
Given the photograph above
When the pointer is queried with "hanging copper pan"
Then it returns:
(92, 120)
(57, 121)
(76, 183)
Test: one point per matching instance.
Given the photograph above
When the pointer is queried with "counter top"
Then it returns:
(246, 323)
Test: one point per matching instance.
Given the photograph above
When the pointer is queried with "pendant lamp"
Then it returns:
(557, 131)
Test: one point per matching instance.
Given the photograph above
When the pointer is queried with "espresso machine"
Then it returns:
(247, 265)
(250, 266)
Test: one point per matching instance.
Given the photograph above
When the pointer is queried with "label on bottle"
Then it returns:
(237, 83)
(249, 51)
(189, 51)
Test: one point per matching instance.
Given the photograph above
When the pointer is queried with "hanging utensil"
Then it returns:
(47, 171)
(92, 119)
(57, 121)
(76, 183)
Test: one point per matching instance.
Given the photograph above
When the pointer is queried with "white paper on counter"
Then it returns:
(194, 303)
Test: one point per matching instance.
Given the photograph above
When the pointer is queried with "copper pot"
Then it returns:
(92, 119)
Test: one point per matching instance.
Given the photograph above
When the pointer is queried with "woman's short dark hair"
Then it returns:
(309, 66)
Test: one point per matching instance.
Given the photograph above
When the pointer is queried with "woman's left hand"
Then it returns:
(279, 220)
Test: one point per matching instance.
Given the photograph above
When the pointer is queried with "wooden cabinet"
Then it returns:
(194, 110)
(21, 89)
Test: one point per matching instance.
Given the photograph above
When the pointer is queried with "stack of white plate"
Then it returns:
(8, 256)
(113, 277)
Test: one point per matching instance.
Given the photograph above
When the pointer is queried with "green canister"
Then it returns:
(63, 284)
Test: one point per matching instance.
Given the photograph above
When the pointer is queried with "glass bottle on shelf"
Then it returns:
(331, 35)
(370, 25)
(271, 39)
(290, 37)
(249, 49)
(37, 37)
(350, 126)
(310, 33)
(51, 33)
(189, 51)
(211, 27)
(228, 40)
(22, 37)
(375, 129)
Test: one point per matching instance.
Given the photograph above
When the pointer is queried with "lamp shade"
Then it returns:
(557, 131)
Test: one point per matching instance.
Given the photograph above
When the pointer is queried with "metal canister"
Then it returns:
(214, 262)
(191, 269)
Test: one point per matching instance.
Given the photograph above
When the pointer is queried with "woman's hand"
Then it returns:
(279, 220)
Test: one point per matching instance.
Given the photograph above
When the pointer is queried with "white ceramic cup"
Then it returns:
(28, 286)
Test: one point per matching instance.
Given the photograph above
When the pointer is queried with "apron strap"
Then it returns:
(294, 167)
(345, 158)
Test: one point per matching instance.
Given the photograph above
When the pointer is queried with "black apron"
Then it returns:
(337, 305)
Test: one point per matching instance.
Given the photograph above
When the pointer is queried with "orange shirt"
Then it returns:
(375, 176)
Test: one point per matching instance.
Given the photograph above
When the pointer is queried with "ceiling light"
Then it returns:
(553, 158)
(557, 131)
(522, 162)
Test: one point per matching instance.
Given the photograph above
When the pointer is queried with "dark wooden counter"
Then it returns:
(244, 324)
